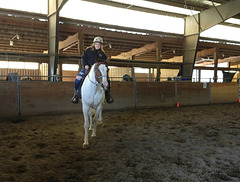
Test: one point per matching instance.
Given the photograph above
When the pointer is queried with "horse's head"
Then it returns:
(100, 70)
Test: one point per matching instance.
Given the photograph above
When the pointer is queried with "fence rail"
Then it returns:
(57, 78)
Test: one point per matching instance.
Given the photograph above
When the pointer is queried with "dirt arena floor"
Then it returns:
(197, 143)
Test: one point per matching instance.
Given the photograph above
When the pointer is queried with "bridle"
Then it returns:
(98, 76)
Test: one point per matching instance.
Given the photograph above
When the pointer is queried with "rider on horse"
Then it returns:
(92, 54)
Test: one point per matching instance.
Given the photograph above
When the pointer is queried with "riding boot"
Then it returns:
(76, 97)
(77, 91)
(108, 97)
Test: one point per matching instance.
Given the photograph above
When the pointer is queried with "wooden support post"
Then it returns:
(60, 67)
(80, 49)
(132, 71)
(159, 58)
(149, 75)
(60, 71)
(199, 75)
(215, 65)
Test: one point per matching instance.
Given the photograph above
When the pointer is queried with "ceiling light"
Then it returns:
(15, 36)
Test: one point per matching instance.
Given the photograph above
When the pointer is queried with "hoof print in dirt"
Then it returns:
(131, 163)
(221, 176)
(41, 145)
(39, 156)
(12, 145)
(21, 169)
(119, 130)
(86, 147)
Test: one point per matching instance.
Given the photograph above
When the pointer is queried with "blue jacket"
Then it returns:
(90, 56)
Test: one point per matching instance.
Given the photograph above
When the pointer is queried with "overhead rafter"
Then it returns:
(206, 52)
(211, 62)
(69, 42)
(196, 5)
(135, 52)
(202, 53)
(137, 8)
(191, 4)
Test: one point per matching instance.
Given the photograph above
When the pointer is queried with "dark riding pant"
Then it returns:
(78, 81)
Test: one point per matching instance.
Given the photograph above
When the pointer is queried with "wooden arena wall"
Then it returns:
(54, 97)
(225, 92)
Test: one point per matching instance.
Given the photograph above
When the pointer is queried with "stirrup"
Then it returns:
(75, 99)
(109, 100)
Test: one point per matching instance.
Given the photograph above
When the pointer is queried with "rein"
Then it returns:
(96, 84)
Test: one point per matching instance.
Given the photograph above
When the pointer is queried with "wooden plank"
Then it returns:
(206, 52)
(211, 62)
(176, 59)
(69, 42)
(135, 52)
(202, 53)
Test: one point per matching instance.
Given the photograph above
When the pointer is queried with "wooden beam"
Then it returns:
(202, 53)
(219, 68)
(138, 51)
(206, 52)
(69, 42)
(211, 62)
(175, 59)
(230, 59)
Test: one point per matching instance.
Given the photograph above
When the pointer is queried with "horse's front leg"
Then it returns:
(98, 114)
(99, 119)
(90, 114)
(94, 125)
(86, 125)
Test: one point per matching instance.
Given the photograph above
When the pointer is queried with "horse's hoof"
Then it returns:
(85, 146)
(103, 125)
(93, 136)
(99, 123)
(90, 129)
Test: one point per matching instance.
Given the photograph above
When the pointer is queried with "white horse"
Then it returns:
(93, 96)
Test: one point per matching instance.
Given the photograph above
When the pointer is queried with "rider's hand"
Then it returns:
(86, 67)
